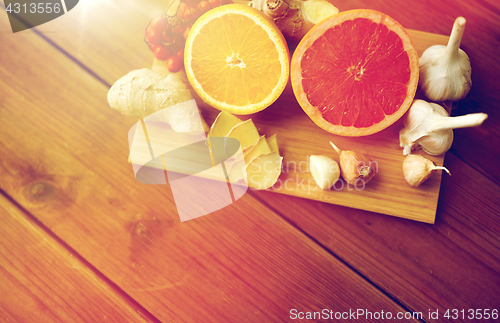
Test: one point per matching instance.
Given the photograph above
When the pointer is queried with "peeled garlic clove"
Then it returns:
(354, 166)
(445, 72)
(325, 171)
(417, 169)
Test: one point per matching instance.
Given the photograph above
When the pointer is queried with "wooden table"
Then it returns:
(82, 241)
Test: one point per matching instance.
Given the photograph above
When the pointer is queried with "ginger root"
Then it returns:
(295, 17)
(143, 92)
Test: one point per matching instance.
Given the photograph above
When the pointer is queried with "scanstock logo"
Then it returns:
(28, 14)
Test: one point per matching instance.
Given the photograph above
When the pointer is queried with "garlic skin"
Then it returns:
(354, 166)
(428, 126)
(417, 169)
(325, 171)
(445, 71)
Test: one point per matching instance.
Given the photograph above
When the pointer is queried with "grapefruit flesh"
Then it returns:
(355, 73)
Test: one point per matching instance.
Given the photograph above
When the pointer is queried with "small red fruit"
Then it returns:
(161, 53)
(174, 64)
(195, 14)
(186, 32)
(214, 3)
(167, 36)
(183, 11)
(159, 23)
(179, 42)
(204, 6)
(177, 28)
(180, 54)
(192, 2)
(153, 37)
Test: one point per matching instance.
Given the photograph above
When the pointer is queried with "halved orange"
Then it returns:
(236, 59)
(355, 73)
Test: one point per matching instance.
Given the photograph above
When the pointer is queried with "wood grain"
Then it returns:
(454, 263)
(123, 44)
(387, 250)
(65, 161)
(480, 41)
(299, 137)
(42, 281)
(294, 127)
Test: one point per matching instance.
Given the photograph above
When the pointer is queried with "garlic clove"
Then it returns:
(354, 166)
(324, 170)
(428, 126)
(445, 71)
(438, 143)
(417, 169)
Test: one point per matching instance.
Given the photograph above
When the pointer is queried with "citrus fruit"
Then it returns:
(236, 59)
(355, 73)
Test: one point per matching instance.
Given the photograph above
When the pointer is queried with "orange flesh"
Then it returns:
(216, 63)
(356, 73)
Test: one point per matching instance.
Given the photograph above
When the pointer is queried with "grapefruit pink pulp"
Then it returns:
(355, 73)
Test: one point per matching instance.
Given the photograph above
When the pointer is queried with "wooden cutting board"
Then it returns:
(299, 137)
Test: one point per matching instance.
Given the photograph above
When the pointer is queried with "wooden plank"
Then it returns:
(41, 280)
(127, 50)
(65, 161)
(480, 42)
(424, 16)
(470, 145)
(454, 263)
(95, 29)
(299, 137)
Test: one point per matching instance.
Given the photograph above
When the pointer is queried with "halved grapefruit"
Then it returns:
(355, 73)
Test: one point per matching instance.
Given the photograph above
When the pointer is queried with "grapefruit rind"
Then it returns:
(275, 36)
(317, 31)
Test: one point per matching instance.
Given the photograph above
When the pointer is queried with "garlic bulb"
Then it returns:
(324, 170)
(354, 166)
(445, 72)
(428, 125)
(418, 169)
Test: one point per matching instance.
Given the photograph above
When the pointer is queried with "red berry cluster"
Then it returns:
(166, 34)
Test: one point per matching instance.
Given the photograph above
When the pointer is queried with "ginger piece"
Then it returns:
(260, 155)
(272, 142)
(260, 148)
(263, 172)
(295, 17)
(246, 133)
(143, 92)
(223, 124)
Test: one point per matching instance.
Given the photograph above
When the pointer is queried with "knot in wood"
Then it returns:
(141, 231)
(41, 191)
